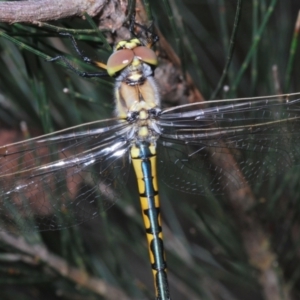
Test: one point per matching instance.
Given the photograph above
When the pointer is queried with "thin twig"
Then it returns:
(58, 264)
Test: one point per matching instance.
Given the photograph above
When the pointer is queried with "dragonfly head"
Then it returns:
(128, 53)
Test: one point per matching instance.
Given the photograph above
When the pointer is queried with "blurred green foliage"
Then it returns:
(205, 254)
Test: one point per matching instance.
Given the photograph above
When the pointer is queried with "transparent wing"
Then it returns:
(64, 178)
(210, 147)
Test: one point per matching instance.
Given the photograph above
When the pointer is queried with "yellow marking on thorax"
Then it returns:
(143, 115)
(143, 131)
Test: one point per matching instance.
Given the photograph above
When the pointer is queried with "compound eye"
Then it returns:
(118, 61)
(146, 55)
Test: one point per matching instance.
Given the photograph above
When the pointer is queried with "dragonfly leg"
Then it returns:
(151, 37)
(78, 72)
(75, 46)
(83, 57)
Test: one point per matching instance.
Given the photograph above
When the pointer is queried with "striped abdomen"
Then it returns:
(143, 156)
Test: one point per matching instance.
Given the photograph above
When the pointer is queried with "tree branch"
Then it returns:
(45, 10)
(58, 264)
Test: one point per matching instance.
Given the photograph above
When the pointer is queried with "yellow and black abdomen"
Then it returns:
(143, 156)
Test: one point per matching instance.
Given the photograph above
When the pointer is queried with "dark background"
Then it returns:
(206, 255)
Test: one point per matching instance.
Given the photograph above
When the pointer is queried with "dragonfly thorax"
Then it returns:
(133, 64)
(143, 125)
(136, 73)
(136, 92)
(136, 89)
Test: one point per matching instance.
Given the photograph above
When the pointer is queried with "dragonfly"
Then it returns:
(81, 168)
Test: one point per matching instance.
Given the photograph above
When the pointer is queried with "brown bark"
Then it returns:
(45, 10)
